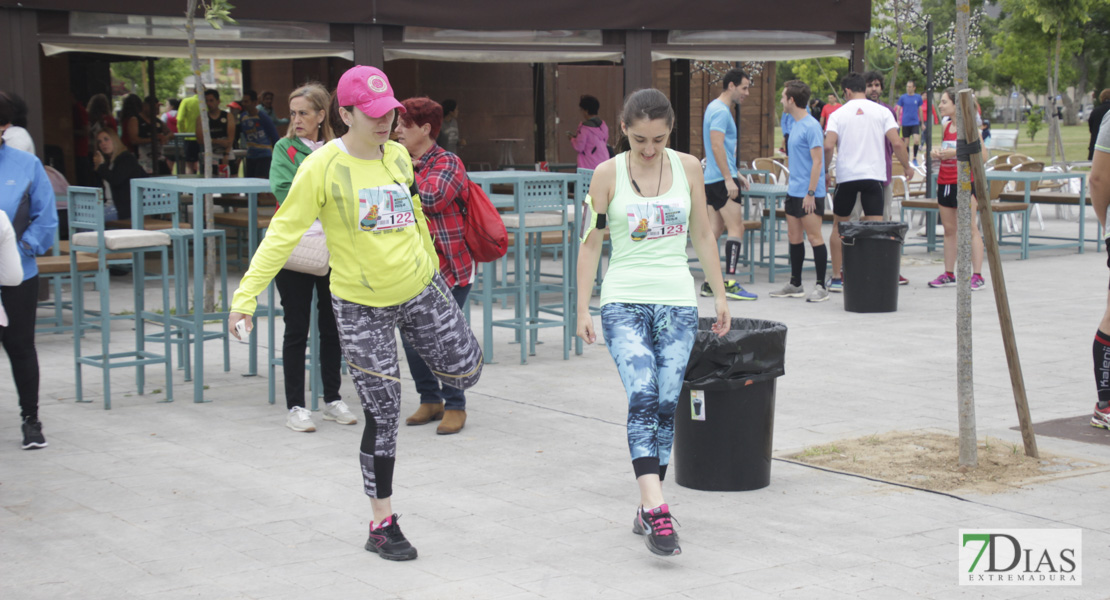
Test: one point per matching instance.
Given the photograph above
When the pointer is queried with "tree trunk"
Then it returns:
(198, 88)
(965, 389)
(1083, 64)
(897, 4)
(1054, 140)
(1100, 75)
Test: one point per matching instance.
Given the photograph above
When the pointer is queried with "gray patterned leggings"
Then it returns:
(431, 323)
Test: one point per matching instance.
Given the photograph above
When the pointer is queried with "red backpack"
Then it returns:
(483, 229)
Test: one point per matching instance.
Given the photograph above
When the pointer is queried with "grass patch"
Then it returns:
(821, 450)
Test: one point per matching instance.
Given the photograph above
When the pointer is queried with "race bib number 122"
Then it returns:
(385, 208)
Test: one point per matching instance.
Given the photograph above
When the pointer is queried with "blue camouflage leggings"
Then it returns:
(651, 345)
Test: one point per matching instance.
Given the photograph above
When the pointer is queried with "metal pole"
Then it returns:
(929, 184)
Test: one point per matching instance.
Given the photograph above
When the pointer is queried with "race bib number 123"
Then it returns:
(654, 220)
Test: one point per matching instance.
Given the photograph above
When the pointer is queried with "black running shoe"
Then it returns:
(388, 542)
(658, 526)
(32, 434)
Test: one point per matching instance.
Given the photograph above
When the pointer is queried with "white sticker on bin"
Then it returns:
(697, 405)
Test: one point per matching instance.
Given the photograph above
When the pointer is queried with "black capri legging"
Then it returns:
(18, 338)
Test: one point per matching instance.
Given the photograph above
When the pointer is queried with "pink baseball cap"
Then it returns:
(368, 89)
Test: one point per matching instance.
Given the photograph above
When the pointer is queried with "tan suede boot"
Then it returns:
(453, 422)
(426, 412)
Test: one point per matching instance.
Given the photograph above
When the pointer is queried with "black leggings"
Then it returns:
(296, 299)
(18, 338)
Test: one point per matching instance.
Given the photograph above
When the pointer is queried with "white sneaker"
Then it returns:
(300, 419)
(818, 294)
(337, 411)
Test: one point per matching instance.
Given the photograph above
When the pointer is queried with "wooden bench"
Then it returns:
(999, 208)
(60, 264)
(780, 213)
(1058, 198)
(996, 206)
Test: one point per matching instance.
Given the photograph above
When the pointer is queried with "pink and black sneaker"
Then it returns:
(944, 280)
(657, 527)
(387, 541)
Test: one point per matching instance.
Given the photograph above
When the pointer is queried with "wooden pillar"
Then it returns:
(369, 46)
(680, 100)
(637, 60)
(21, 72)
(550, 114)
(858, 53)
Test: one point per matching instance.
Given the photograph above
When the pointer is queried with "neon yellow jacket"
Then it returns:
(381, 251)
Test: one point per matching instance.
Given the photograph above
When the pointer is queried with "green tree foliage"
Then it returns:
(1023, 55)
(822, 75)
(169, 74)
(898, 32)
(1035, 123)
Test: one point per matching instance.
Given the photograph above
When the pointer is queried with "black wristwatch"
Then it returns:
(812, 193)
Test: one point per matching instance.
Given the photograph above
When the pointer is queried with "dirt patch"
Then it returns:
(931, 461)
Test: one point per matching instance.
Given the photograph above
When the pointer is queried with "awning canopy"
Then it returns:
(757, 54)
(554, 55)
(148, 50)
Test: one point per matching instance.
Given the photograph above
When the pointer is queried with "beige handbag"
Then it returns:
(310, 256)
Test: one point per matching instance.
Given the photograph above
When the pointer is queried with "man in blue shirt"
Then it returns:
(805, 201)
(722, 194)
(258, 136)
(909, 116)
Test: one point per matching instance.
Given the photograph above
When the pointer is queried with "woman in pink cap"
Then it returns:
(384, 275)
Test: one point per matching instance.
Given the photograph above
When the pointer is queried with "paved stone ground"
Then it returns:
(535, 498)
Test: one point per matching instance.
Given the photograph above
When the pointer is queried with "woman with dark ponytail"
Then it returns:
(650, 199)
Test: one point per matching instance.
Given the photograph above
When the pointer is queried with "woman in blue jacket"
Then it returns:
(28, 200)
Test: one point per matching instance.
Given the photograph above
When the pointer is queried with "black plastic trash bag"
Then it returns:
(894, 231)
(753, 350)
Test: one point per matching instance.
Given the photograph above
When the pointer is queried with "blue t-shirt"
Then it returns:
(259, 135)
(718, 117)
(786, 123)
(805, 135)
(911, 108)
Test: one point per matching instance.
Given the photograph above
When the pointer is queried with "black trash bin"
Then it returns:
(725, 419)
(872, 260)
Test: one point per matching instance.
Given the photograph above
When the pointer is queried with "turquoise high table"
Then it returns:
(487, 179)
(771, 194)
(198, 187)
(1028, 178)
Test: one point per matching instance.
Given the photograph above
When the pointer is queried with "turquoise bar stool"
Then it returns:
(86, 213)
(541, 207)
(147, 203)
(570, 309)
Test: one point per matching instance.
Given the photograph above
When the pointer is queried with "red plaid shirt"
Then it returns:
(440, 179)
